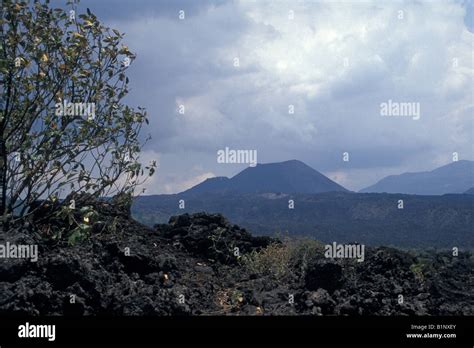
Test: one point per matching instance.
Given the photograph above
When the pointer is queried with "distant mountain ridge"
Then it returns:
(470, 191)
(456, 177)
(283, 177)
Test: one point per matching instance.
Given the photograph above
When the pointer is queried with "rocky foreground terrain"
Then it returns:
(201, 264)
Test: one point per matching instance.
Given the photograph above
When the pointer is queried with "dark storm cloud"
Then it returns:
(131, 9)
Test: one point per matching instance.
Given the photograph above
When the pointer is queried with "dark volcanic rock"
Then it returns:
(190, 267)
(211, 236)
(326, 275)
(322, 299)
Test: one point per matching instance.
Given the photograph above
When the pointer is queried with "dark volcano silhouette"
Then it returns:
(284, 177)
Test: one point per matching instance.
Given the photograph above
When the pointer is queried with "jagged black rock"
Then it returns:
(193, 255)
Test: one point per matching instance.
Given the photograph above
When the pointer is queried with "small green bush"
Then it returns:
(283, 261)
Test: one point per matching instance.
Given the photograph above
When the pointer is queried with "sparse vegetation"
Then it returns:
(273, 261)
(289, 259)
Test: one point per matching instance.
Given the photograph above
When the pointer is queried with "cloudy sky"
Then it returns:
(334, 62)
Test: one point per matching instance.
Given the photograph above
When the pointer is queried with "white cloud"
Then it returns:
(335, 62)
